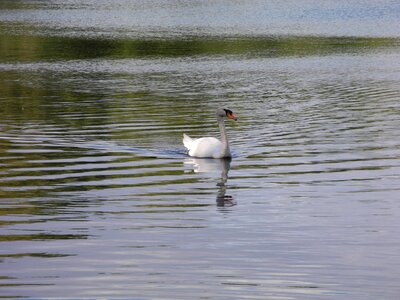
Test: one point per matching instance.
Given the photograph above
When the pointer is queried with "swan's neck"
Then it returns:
(224, 139)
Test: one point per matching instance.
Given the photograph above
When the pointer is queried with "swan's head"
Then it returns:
(226, 113)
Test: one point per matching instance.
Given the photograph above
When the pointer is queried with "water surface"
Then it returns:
(99, 199)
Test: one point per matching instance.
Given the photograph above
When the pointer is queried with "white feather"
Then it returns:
(187, 141)
(203, 147)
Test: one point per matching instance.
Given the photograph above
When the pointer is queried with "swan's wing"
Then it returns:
(187, 141)
(205, 147)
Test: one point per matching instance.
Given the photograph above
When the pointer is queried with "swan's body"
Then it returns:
(205, 147)
(211, 147)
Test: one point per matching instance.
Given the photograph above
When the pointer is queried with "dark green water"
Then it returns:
(99, 200)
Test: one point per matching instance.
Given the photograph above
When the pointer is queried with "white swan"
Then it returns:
(209, 146)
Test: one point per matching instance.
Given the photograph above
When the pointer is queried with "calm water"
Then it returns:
(98, 198)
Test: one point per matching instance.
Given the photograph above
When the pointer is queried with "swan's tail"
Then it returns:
(187, 141)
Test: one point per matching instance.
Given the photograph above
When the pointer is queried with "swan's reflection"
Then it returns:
(210, 165)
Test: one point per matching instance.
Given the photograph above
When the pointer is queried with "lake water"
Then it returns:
(100, 200)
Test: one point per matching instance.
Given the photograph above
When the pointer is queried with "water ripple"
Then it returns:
(99, 199)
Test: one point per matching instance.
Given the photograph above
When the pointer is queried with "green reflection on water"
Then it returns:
(32, 47)
(39, 237)
(40, 255)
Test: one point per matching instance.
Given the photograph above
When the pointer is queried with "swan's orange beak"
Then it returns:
(230, 115)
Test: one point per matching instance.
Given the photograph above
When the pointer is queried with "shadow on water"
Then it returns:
(222, 166)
